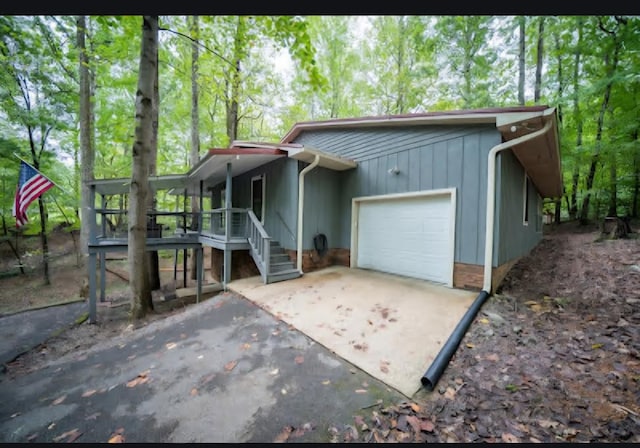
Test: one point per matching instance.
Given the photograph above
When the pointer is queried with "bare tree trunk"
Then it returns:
(154, 262)
(232, 102)
(402, 25)
(611, 69)
(521, 59)
(539, 62)
(573, 206)
(613, 186)
(141, 300)
(43, 238)
(558, 201)
(87, 155)
(636, 177)
(194, 154)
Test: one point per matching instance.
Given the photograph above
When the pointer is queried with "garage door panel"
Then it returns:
(406, 236)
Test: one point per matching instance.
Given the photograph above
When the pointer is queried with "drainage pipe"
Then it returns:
(433, 373)
(308, 168)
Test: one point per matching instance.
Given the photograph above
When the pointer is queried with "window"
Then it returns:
(525, 195)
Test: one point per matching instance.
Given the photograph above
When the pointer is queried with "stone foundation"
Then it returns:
(311, 261)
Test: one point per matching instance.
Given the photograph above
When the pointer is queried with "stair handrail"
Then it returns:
(260, 244)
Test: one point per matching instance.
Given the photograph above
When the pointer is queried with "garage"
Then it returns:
(409, 234)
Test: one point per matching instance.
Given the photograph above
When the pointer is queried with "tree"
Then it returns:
(141, 300)
(194, 153)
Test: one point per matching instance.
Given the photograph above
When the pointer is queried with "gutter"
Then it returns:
(306, 169)
(433, 373)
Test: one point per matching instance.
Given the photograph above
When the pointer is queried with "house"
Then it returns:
(451, 197)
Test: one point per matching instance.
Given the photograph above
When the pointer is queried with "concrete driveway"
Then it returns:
(392, 327)
(223, 370)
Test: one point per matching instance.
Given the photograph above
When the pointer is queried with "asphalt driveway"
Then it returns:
(224, 370)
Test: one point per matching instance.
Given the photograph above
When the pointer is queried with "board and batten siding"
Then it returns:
(516, 239)
(427, 157)
(281, 198)
(322, 206)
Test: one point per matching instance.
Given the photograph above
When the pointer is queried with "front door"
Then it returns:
(257, 196)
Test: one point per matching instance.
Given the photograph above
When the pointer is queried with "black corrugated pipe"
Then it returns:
(433, 373)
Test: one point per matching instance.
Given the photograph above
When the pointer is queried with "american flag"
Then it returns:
(31, 184)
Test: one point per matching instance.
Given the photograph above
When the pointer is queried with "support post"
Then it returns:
(103, 275)
(199, 257)
(92, 288)
(227, 227)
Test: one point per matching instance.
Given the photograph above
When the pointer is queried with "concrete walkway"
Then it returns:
(20, 332)
(223, 370)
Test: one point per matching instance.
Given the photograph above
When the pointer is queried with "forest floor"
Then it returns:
(554, 356)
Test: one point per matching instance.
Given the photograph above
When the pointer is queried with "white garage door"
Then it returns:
(407, 236)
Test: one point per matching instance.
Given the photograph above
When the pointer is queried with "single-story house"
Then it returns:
(452, 197)
(403, 194)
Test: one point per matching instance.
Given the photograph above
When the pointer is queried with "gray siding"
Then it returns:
(428, 157)
(281, 198)
(515, 238)
(321, 206)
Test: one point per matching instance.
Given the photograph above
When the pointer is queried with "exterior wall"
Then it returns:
(321, 206)
(516, 239)
(281, 198)
(428, 157)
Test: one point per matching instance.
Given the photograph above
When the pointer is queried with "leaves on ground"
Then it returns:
(68, 437)
(230, 365)
(299, 359)
(142, 378)
(59, 400)
(171, 345)
(88, 393)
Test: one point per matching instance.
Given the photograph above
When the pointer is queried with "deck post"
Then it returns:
(92, 288)
(227, 226)
(199, 257)
(103, 255)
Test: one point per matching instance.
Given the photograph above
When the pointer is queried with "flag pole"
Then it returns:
(40, 172)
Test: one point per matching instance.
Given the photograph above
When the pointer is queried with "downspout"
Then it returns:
(306, 169)
(433, 373)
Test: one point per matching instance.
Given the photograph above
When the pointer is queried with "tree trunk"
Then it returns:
(536, 92)
(558, 208)
(87, 154)
(573, 206)
(232, 102)
(636, 178)
(613, 186)
(611, 69)
(154, 262)
(521, 59)
(43, 238)
(194, 154)
(141, 300)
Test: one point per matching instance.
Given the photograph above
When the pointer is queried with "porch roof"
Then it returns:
(121, 185)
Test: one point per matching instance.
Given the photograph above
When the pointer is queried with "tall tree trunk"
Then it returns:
(558, 201)
(521, 59)
(43, 238)
(613, 185)
(194, 154)
(232, 102)
(536, 92)
(154, 262)
(636, 177)
(611, 69)
(141, 301)
(402, 29)
(87, 154)
(575, 178)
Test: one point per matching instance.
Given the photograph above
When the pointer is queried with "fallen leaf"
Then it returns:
(484, 320)
(493, 357)
(32, 437)
(596, 346)
(384, 368)
(470, 345)
(70, 436)
(194, 392)
(93, 416)
(427, 425)
(89, 393)
(15, 415)
(171, 345)
(414, 422)
(246, 346)
(547, 423)
(117, 438)
(415, 407)
(530, 302)
(511, 387)
(52, 425)
(299, 359)
(59, 400)
(274, 371)
(283, 391)
(140, 379)
(326, 382)
(450, 393)
(509, 438)
(361, 391)
(230, 365)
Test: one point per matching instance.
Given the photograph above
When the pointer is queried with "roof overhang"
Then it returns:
(326, 160)
(540, 157)
(122, 185)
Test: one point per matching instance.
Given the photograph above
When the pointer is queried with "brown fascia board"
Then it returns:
(486, 115)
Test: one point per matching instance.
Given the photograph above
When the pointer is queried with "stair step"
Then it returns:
(279, 267)
(278, 258)
(283, 275)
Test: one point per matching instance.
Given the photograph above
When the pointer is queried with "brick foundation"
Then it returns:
(471, 276)
(311, 261)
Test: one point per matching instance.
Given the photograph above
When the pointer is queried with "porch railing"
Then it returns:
(260, 243)
(214, 223)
